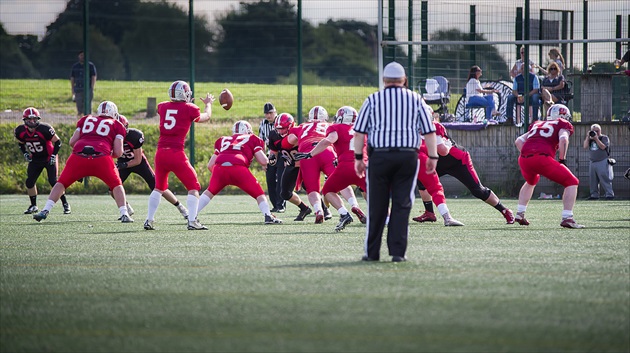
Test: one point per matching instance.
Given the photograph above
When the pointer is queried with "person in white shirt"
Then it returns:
(475, 93)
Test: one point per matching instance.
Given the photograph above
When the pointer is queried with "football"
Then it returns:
(226, 99)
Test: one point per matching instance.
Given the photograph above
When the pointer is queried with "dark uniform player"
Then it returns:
(279, 154)
(133, 160)
(40, 145)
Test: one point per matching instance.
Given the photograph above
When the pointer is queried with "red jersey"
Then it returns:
(175, 121)
(98, 132)
(237, 149)
(543, 137)
(344, 146)
(309, 134)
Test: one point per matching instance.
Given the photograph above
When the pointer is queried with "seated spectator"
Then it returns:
(475, 93)
(518, 96)
(555, 56)
(517, 69)
(552, 90)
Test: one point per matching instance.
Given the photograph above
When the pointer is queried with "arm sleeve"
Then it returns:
(56, 147)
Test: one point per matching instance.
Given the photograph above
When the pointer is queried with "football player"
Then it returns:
(95, 141)
(230, 163)
(176, 117)
(133, 160)
(279, 154)
(538, 148)
(40, 145)
(340, 135)
(456, 162)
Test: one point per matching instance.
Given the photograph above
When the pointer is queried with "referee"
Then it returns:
(393, 120)
(274, 169)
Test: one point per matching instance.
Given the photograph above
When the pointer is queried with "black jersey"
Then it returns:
(37, 142)
(274, 141)
(133, 140)
(275, 144)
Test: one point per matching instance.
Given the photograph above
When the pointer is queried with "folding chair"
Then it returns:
(471, 113)
(438, 91)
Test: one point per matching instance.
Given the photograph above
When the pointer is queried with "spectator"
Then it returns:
(393, 120)
(556, 57)
(475, 93)
(40, 145)
(518, 96)
(274, 170)
(552, 90)
(518, 65)
(600, 172)
(76, 83)
(624, 59)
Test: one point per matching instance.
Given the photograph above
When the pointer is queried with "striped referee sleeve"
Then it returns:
(264, 130)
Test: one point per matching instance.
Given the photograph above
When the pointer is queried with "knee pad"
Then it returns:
(30, 182)
(481, 192)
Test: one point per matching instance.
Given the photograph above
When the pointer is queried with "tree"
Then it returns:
(158, 47)
(14, 63)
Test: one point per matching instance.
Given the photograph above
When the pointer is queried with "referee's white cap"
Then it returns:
(394, 70)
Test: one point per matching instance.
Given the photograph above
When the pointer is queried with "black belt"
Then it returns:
(535, 154)
(396, 149)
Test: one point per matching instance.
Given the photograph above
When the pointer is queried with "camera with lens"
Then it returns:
(592, 133)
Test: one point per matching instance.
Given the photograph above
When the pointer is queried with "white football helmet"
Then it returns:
(557, 111)
(346, 115)
(318, 113)
(242, 127)
(109, 109)
(180, 92)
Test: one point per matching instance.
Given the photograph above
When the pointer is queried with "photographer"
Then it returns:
(600, 171)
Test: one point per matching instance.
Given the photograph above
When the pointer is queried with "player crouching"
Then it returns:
(230, 163)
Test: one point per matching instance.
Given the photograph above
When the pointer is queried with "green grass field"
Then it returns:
(86, 283)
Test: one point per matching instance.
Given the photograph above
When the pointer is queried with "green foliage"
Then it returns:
(14, 63)
(88, 282)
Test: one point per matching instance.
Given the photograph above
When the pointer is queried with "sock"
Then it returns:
(317, 207)
(302, 206)
(428, 206)
(123, 211)
(567, 214)
(176, 203)
(443, 209)
(63, 199)
(204, 200)
(49, 205)
(154, 202)
(192, 202)
(33, 200)
(342, 211)
(499, 207)
(264, 208)
(353, 202)
(521, 209)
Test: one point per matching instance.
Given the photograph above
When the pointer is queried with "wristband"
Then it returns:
(358, 156)
(433, 157)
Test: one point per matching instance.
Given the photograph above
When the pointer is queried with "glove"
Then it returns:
(28, 157)
(301, 155)
(53, 159)
(121, 165)
(273, 159)
(287, 159)
(563, 161)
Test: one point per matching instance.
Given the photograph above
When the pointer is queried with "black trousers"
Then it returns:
(274, 177)
(288, 180)
(390, 175)
(35, 168)
(143, 169)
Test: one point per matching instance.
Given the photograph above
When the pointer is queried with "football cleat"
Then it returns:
(360, 215)
(130, 210)
(319, 218)
(41, 215)
(570, 223)
(303, 213)
(344, 220)
(327, 214)
(125, 219)
(520, 219)
(425, 217)
(271, 219)
(31, 209)
(452, 222)
(508, 215)
(148, 225)
(66, 209)
(183, 211)
(195, 225)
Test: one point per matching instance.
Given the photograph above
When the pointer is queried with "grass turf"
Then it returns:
(85, 282)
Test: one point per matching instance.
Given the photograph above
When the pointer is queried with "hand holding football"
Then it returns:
(226, 99)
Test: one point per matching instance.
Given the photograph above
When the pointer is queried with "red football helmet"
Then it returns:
(346, 115)
(180, 92)
(123, 121)
(283, 123)
(31, 117)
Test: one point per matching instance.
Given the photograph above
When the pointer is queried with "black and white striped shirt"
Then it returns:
(394, 117)
(265, 128)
